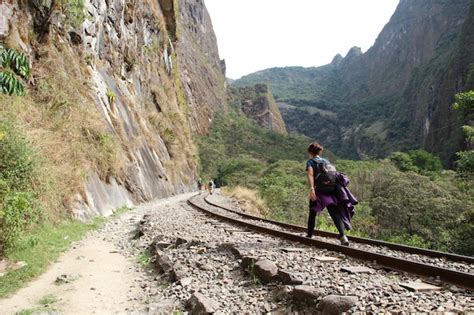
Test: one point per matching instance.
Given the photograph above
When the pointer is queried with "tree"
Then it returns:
(425, 161)
(465, 105)
(403, 161)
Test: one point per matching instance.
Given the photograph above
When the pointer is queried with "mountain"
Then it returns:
(396, 96)
(257, 103)
(118, 89)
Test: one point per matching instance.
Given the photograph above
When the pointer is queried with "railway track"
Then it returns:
(359, 240)
(422, 262)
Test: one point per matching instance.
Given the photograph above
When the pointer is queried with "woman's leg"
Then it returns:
(337, 219)
(311, 222)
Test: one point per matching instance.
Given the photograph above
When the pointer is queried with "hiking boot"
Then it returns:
(344, 240)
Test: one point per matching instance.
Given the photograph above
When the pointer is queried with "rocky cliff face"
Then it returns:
(257, 103)
(150, 72)
(396, 96)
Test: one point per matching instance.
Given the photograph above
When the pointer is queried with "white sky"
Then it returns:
(259, 34)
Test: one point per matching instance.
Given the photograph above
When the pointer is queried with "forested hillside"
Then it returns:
(407, 198)
(396, 96)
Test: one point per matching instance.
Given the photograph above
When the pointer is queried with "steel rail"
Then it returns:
(361, 240)
(461, 279)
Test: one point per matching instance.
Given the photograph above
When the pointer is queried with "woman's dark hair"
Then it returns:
(315, 148)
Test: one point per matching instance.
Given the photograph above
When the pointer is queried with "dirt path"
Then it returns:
(105, 275)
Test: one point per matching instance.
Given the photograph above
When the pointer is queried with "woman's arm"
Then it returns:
(310, 176)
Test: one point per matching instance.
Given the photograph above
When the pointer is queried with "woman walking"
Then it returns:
(328, 189)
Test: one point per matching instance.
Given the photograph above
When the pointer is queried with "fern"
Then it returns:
(14, 68)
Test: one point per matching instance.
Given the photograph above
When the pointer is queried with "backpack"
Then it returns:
(324, 175)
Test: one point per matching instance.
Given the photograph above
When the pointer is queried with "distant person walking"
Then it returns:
(328, 189)
(211, 186)
(199, 183)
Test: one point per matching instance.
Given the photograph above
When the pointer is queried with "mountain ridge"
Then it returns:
(388, 98)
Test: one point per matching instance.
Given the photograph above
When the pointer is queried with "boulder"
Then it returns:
(266, 270)
(233, 248)
(306, 294)
(288, 278)
(163, 262)
(163, 307)
(199, 304)
(187, 241)
(176, 274)
(5, 19)
(337, 304)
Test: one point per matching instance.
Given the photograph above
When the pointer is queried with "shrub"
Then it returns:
(18, 211)
(242, 170)
(73, 11)
(18, 204)
(403, 161)
(419, 161)
(465, 163)
(425, 161)
(283, 187)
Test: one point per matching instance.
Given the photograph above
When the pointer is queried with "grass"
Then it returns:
(144, 258)
(43, 246)
(45, 306)
(253, 274)
(48, 299)
(249, 200)
(37, 310)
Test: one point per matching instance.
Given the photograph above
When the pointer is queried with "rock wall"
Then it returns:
(257, 103)
(153, 72)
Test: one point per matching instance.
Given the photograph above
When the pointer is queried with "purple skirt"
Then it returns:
(342, 198)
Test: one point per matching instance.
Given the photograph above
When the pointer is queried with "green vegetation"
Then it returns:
(465, 105)
(74, 11)
(407, 198)
(19, 208)
(111, 97)
(145, 259)
(253, 274)
(236, 147)
(48, 300)
(418, 161)
(14, 71)
(45, 306)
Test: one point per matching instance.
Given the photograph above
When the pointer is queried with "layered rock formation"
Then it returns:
(396, 96)
(257, 103)
(152, 71)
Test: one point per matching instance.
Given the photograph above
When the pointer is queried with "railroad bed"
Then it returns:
(458, 263)
(452, 272)
(205, 258)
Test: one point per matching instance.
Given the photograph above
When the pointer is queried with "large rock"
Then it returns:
(5, 19)
(266, 270)
(233, 248)
(288, 278)
(306, 294)
(163, 307)
(199, 304)
(164, 262)
(186, 241)
(336, 304)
